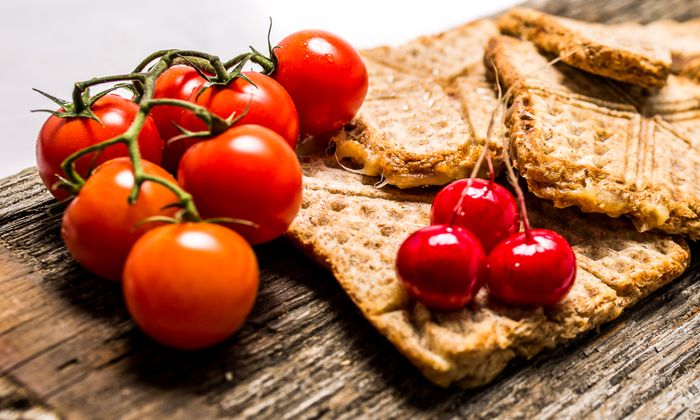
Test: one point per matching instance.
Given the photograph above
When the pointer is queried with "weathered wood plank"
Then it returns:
(17, 403)
(306, 350)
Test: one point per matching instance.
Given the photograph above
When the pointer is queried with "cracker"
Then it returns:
(624, 52)
(355, 230)
(604, 147)
(420, 126)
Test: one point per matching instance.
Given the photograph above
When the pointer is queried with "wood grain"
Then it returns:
(68, 347)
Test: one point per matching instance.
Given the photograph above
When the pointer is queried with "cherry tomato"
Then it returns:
(190, 285)
(267, 104)
(531, 270)
(325, 77)
(441, 266)
(488, 210)
(247, 172)
(61, 137)
(177, 82)
(100, 227)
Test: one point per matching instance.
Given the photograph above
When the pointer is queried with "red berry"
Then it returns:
(488, 210)
(531, 271)
(441, 266)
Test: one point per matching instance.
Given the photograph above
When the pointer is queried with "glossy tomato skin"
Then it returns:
(442, 266)
(61, 137)
(488, 210)
(534, 271)
(191, 285)
(325, 77)
(249, 173)
(99, 226)
(177, 82)
(267, 102)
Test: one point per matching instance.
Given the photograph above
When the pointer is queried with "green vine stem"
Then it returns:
(268, 65)
(145, 83)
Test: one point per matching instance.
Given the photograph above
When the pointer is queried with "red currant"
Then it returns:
(532, 269)
(487, 209)
(441, 266)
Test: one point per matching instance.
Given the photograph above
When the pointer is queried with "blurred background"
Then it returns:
(50, 44)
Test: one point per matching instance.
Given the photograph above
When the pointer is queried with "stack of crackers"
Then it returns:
(603, 126)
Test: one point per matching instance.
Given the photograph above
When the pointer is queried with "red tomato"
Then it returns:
(177, 82)
(249, 173)
(267, 102)
(190, 285)
(325, 77)
(61, 137)
(99, 225)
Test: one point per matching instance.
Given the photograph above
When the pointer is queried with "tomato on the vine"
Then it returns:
(325, 77)
(99, 226)
(61, 137)
(264, 103)
(190, 285)
(177, 82)
(248, 172)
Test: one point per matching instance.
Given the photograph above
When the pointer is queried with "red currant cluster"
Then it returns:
(473, 240)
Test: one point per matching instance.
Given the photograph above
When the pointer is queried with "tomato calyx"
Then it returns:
(82, 108)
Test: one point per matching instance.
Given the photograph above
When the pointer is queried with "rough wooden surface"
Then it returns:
(68, 348)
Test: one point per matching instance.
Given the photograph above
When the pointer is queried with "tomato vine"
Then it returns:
(142, 82)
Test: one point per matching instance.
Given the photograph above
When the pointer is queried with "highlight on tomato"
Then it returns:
(190, 285)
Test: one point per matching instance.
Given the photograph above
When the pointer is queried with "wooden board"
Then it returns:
(69, 349)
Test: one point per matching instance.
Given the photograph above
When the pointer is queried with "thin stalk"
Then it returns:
(267, 64)
(80, 87)
(146, 61)
(68, 165)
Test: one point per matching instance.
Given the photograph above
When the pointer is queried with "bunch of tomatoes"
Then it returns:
(475, 240)
(172, 186)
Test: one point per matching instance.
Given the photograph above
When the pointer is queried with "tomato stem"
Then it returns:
(82, 104)
(68, 165)
(81, 99)
(215, 124)
(146, 61)
(267, 64)
(143, 84)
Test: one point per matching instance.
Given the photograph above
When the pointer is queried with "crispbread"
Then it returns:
(419, 126)
(443, 56)
(623, 52)
(602, 146)
(683, 39)
(355, 229)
